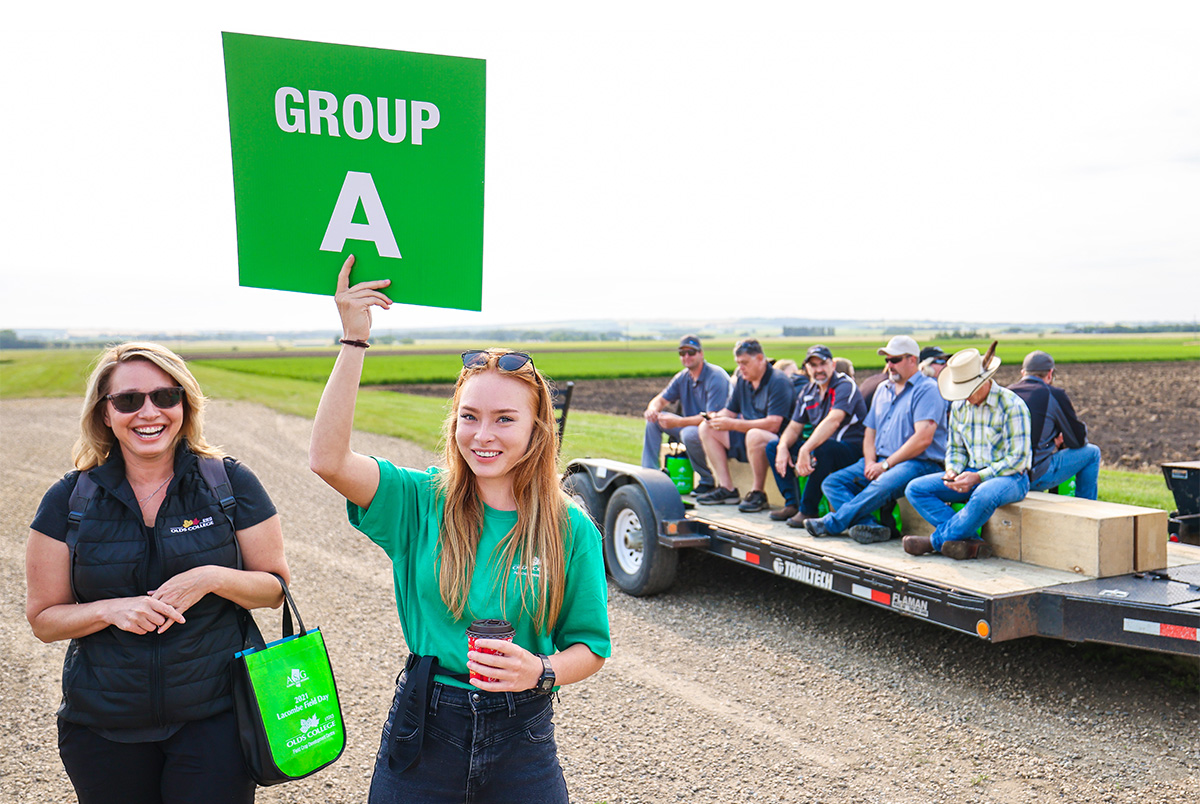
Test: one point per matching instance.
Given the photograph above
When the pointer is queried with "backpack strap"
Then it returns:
(214, 474)
(81, 498)
(217, 477)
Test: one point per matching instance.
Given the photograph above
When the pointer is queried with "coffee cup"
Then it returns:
(488, 629)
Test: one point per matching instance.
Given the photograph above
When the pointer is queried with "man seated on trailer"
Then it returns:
(831, 410)
(700, 387)
(1060, 446)
(904, 438)
(755, 414)
(987, 459)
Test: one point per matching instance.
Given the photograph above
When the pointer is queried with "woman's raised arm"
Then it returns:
(354, 476)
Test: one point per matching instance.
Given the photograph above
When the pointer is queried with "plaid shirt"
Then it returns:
(992, 438)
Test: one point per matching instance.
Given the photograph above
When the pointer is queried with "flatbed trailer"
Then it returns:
(646, 522)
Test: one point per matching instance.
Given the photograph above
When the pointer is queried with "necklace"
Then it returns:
(142, 501)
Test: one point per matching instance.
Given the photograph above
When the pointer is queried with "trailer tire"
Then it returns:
(637, 562)
(579, 488)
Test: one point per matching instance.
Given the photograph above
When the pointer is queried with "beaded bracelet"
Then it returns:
(349, 342)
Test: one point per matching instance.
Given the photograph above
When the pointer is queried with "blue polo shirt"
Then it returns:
(893, 416)
(812, 408)
(774, 396)
(710, 392)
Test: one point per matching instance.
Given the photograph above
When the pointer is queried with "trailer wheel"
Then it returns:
(580, 489)
(636, 561)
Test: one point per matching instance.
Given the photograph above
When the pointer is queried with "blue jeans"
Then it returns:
(479, 747)
(1083, 464)
(853, 498)
(831, 456)
(690, 436)
(932, 499)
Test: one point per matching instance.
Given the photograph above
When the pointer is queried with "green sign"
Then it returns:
(350, 150)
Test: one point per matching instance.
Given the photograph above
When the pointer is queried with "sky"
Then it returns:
(1023, 162)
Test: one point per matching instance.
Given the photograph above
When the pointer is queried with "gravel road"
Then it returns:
(734, 686)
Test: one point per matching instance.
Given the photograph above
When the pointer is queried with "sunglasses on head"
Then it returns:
(896, 359)
(132, 401)
(509, 361)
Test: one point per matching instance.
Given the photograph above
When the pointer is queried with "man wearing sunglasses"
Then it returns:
(700, 387)
(905, 438)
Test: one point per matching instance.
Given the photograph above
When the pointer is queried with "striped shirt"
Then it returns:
(992, 438)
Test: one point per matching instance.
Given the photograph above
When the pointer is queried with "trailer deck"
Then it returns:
(645, 523)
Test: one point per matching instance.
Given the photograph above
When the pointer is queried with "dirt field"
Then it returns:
(734, 686)
(1139, 414)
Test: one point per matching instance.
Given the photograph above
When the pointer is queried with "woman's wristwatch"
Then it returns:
(546, 682)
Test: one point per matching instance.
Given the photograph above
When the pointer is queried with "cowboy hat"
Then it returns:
(964, 373)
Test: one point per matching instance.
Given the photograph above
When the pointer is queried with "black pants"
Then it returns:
(200, 764)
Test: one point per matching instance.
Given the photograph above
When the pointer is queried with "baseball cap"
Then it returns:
(932, 351)
(901, 345)
(819, 350)
(692, 342)
(1037, 360)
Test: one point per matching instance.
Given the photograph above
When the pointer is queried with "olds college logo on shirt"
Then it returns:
(193, 524)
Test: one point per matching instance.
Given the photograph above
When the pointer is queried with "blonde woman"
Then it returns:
(144, 580)
(492, 536)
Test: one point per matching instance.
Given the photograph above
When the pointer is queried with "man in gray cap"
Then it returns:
(905, 438)
(1060, 446)
(700, 387)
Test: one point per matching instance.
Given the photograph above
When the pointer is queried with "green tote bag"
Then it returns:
(289, 717)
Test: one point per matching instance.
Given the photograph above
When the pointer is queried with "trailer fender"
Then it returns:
(592, 481)
(631, 503)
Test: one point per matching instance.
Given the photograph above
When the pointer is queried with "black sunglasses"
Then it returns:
(896, 359)
(509, 361)
(687, 352)
(132, 401)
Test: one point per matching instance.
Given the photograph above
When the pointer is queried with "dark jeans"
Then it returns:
(479, 747)
(199, 764)
(831, 456)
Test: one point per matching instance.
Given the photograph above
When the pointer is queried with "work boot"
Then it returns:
(918, 545)
(799, 519)
(870, 533)
(816, 528)
(755, 501)
(786, 512)
(964, 549)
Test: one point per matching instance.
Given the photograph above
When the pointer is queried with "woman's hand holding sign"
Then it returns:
(354, 303)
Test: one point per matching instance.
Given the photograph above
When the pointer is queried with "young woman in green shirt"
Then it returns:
(492, 536)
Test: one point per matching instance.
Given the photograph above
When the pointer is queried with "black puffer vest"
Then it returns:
(113, 678)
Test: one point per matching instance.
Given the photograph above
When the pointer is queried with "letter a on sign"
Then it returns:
(359, 187)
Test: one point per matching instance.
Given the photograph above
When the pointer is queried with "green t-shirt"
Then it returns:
(404, 518)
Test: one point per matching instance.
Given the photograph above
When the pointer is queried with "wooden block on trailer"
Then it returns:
(1150, 535)
(1003, 532)
(1077, 536)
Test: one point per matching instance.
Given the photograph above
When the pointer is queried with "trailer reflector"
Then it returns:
(742, 555)
(1162, 629)
(874, 595)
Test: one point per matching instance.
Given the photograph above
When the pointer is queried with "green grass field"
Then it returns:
(415, 418)
(591, 361)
